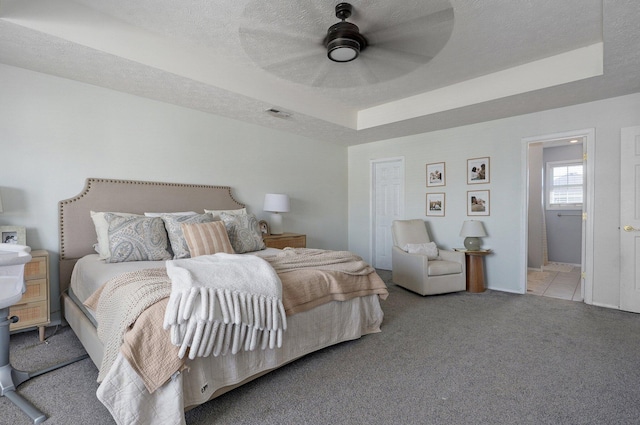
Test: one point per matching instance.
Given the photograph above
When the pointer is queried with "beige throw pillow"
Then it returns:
(207, 238)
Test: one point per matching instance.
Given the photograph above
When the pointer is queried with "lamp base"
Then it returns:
(276, 224)
(472, 243)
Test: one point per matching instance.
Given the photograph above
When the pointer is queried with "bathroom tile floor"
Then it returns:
(557, 281)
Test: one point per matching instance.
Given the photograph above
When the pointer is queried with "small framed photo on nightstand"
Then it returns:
(16, 235)
(264, 228)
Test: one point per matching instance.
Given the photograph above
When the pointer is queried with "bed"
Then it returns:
(123, 391)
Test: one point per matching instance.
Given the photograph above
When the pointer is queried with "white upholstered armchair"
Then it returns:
(412, 267)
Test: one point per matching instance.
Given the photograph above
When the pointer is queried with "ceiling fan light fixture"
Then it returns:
(343, 49)
(344, 41)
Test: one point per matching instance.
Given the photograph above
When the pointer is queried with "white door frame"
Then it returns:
(589, 137)
(372, 197)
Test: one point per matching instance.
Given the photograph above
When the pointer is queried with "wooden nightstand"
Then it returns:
(293, 240)
(33, 307)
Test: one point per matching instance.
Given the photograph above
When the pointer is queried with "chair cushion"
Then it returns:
(442, 267)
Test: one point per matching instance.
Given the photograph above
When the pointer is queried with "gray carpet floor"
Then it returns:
(490, 358)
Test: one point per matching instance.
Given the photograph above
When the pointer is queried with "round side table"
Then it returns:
(475, 270)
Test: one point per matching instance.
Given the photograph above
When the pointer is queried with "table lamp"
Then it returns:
(472, 231)
(276, 203)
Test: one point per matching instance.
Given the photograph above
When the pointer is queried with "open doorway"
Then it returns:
(558, 200)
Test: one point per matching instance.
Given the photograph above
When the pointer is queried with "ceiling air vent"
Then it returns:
(278, 113)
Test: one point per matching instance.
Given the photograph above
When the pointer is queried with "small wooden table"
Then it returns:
(33, 307)
(293, 240)
(475, 270)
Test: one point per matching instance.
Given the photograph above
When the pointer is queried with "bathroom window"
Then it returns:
(564, 185)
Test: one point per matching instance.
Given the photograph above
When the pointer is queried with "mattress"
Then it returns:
(90, 272)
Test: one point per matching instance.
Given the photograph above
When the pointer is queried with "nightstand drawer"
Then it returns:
(292, 240)
(31, 314)
(36, 268)
(36, 291)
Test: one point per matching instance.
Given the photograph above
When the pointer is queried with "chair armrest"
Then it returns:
(412, 266)
(456, 256)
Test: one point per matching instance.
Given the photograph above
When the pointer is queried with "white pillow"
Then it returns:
(216, 213)
(102, 232)
(429, 249)
(148, 214)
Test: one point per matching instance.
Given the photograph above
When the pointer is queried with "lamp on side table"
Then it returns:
(276, 203)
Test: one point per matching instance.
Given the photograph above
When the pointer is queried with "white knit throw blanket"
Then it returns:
(224, 302)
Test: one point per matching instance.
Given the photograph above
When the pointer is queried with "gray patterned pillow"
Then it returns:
(173, 224)
(244, 232)
(136, 238)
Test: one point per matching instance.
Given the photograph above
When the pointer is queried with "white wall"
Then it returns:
(54, 133)
(502, 140)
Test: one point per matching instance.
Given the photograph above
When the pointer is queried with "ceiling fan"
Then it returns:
(296, 40)
(344, 41)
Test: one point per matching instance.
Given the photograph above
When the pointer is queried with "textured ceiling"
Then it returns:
(431, 64)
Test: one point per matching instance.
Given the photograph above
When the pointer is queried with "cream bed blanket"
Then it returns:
(119, 303)
(290, 259)
(146, 345)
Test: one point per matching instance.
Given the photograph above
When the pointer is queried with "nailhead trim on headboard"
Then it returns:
(89, 184)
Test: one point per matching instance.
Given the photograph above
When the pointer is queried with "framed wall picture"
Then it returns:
(435, 174)
(264, 227)
(478, 170)
(13, 235)
(478, 202)
(435, 204)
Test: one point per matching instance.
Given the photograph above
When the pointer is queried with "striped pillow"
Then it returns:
(207, 238)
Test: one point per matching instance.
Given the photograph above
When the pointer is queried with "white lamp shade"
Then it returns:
(276, 202)
(472, 228)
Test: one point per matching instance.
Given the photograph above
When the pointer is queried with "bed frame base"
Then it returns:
(84, 330)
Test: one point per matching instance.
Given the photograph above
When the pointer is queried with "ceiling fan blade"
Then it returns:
(275, 38)
(299, 60)
(365, 74)
(269, 32)
(320, 75)
(299, 20)
(385, 70)
(343, 76)
(394, 55)
(438, 21)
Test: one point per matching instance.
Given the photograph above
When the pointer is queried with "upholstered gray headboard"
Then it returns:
(77, 232)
